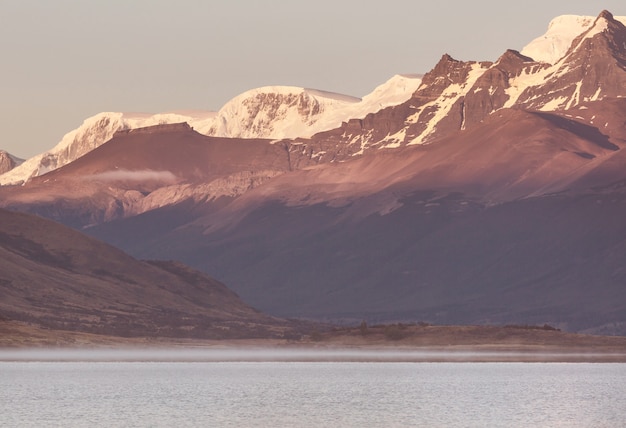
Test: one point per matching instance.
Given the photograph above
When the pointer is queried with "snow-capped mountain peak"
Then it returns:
(562, 30)
(93, 132)
(579, 59)
(278, 112)
(273, 112)
(456, 95)
(592, 68)
(600, 25)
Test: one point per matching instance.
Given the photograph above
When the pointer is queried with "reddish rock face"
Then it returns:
(489, 92)
(410, 119)
(456, 95)
(593, 68)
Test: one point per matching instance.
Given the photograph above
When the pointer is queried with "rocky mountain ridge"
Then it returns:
(269, 112)
(453, 98)
(455, 95)
(288, 112)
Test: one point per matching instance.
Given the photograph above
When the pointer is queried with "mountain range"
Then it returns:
(480, 192)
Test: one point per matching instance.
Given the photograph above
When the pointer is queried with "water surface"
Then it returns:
(312, 394)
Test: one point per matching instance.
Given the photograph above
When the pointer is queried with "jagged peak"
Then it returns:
(513, 64)
(445, 64)
(447, 58)
(605, 26)
(513, 55)
(450, 69)
(562, 31)
(8, 161)
(601, 23)
(615, 23)
(606, 15)
(605, 22)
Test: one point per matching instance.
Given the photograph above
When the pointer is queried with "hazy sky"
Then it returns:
(65, 60)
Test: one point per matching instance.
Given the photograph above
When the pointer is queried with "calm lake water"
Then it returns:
(312, 394)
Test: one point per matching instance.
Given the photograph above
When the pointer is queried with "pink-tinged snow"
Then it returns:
(562, 31)
(93, 132)
(308, 111)
(393, 92)
(288, 112)
(272, 112)
(278, 112)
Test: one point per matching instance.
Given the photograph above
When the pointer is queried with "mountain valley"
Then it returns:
(479, 193)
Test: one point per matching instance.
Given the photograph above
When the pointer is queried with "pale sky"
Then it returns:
(65, 60)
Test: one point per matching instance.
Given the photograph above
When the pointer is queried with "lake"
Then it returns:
(311, 394)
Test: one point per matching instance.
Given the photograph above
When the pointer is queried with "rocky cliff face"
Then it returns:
(593, 68)
(456, 95)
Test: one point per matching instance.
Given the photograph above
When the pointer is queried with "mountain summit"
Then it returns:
(273, 112)
(456, 95)
(8, 161)
(562, 30)
(593, 67)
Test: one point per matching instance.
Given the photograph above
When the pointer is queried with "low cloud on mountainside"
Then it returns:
(139, 175)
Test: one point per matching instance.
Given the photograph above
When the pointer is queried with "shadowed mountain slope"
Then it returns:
(486, 226)
(57, 278)
(143, 169)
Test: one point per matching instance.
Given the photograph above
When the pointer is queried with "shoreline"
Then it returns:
(308, 354)
(390, 343)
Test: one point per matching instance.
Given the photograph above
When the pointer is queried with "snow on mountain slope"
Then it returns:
(93, 132)
(273, 112)
(592, 68)
(279, 112)
(436, 105)
(562, 31)
(394, 91)
(549, 74)
(456, 95)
